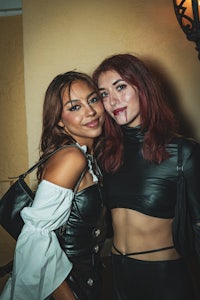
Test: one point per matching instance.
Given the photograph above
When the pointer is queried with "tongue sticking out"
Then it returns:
(121, 116)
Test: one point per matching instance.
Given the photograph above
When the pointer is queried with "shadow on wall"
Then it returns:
(171, 96)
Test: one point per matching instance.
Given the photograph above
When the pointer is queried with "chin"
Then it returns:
(122, 123)
(97, 135)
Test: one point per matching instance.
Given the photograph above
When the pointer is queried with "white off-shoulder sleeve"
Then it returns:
(40, 265)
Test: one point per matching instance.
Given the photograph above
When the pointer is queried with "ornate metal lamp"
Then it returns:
(188, 15)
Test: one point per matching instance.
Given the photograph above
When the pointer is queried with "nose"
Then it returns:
(113, 99)
(91, 111)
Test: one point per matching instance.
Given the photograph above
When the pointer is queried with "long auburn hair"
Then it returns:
(54, 136)
(157, 120)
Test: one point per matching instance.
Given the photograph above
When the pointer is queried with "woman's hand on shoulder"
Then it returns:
(65, 167)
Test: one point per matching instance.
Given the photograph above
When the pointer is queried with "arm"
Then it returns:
(40, 265)
(57, 173)
(63, 292)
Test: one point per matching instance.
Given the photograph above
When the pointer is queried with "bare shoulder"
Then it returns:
(65, 167)
(69, 155)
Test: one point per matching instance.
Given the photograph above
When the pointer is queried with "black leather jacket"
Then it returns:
(151, 188)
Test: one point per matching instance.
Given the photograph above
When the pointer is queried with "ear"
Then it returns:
(61, 124)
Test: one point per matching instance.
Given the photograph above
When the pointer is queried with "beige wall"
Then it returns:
(13, 137)
(62, 35)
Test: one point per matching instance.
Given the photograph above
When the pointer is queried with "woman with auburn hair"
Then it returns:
(140, 160)
(69, 200)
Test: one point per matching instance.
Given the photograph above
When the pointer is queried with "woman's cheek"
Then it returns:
(106, 106)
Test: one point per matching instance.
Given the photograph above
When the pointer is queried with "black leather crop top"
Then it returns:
(151, 188)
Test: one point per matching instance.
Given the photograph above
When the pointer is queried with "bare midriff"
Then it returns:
(136, 232)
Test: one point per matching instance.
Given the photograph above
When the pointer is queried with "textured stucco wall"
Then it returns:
(13, 137)
(62, 35)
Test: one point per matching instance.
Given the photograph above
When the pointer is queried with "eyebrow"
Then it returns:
(114, 83)
(71, 101)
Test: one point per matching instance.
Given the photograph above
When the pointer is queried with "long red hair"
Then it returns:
(157, 120)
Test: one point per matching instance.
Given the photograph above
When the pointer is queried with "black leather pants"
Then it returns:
(150, 280)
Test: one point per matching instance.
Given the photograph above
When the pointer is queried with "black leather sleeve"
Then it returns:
(192, 175)
(191, 169)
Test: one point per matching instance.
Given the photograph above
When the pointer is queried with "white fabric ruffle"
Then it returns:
(40, 265)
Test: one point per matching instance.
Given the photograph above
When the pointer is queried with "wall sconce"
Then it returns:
(188, 15)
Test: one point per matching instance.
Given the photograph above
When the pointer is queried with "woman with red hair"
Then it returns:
(140, 159)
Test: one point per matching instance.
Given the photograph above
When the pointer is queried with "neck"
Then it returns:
(138, 125)
(88, 144)
(133, 134)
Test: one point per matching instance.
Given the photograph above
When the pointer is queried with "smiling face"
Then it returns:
(120, 99)
(83, 113)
